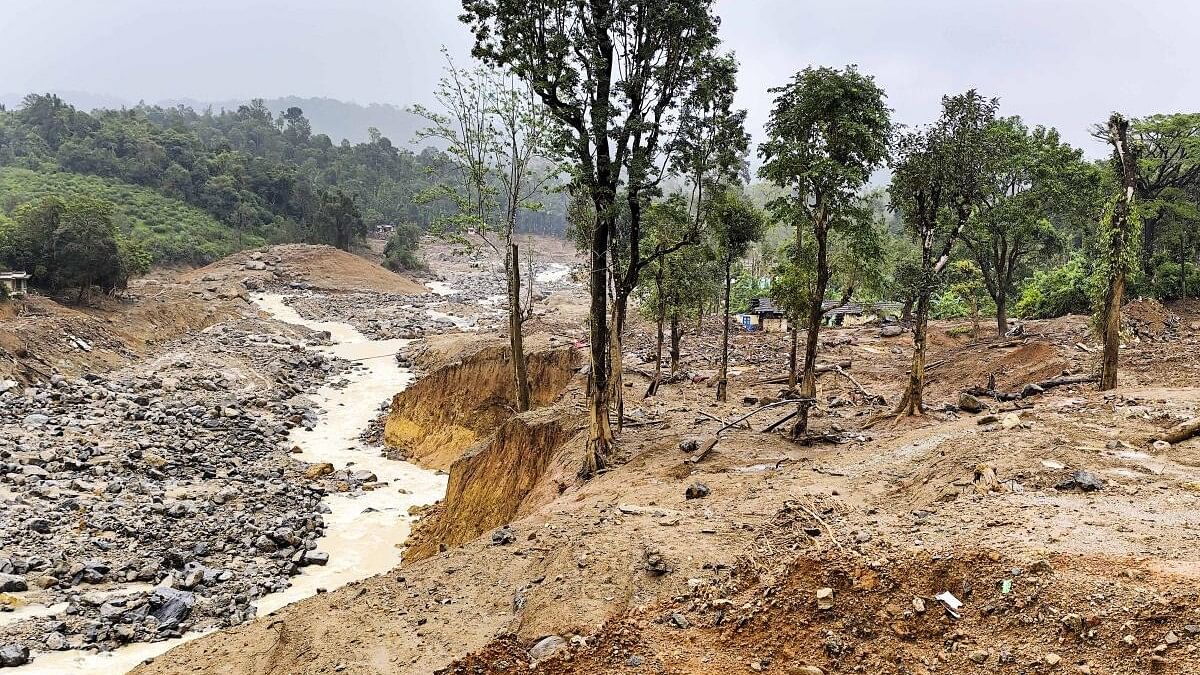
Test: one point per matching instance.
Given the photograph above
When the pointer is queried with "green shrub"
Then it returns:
(400, 253)
(1167, 277)
(1067, 289)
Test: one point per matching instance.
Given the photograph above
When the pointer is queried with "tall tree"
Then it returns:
(1036, 184)
(827, 133)
(498, 133)
(666, 222)
(736, 223)
(938, 181)
(609, 74)
(1119, 232)
(1167, 153)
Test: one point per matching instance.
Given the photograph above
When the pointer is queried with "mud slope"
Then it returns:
(432, 422)
(39, 337)
(496, 479)
(322, 267)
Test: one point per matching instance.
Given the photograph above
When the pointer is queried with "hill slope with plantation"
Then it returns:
(172, 231)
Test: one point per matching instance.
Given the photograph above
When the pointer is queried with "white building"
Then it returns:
(16, 283)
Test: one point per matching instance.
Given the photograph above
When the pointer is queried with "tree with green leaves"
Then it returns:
(965, 281)
(666, 222)
(827, 133)
(736, 223)
(939, 179)
(1166, 150)
(497, 133)
(609, 74)
(72, 245)
(1036, 186)
(1119, 230)
(338, 221)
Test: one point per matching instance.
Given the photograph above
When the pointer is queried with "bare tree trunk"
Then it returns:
(676, 337)
(516, 340)
(658, 352)
(616, 359)
(793, 369)
(975, 319)
(600, 435)
(808, 378)
(1119, 238)
(1001, 311)
(913, 401)
(723, 377)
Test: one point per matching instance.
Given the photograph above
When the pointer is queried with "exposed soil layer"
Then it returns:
(319, 267)
(632, 576)
(432, 422)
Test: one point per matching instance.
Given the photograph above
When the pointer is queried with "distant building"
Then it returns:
(16, 283)
(765, 316)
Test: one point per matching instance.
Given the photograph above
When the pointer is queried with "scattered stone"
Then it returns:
(696, 491)
(979, 656)
(316, 471)
(546, 648)
(12, 656)
(969, 403)
(1051, 659)
(891, 330)
(678, 620)
(1083, 480)
(503, 536)
(12, 583)
(825, 598)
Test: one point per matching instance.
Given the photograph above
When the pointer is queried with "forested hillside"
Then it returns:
(261, 174)
(170, 230)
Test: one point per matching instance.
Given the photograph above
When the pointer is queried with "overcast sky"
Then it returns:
(1064, 63)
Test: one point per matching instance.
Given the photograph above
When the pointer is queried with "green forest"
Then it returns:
(194, 186)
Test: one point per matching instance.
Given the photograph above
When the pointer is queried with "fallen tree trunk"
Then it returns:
(820, 368)
(1033, 389)
(707, 445)
(1181, 432)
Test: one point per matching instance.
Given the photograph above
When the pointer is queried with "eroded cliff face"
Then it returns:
(435, 420)
(514, 470)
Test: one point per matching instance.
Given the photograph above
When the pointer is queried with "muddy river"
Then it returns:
(364, 532)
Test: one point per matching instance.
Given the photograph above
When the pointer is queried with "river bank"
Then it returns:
(273, 499)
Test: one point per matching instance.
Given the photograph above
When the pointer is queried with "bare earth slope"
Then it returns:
(805, 559)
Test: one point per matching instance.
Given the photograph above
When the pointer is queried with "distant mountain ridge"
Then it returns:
(335, 118)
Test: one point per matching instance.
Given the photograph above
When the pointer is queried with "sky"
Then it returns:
(1061, 63)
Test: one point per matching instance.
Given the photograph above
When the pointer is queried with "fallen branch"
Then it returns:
(1181, 432)
(708, 444)
(813, 513)
(762, 408)
(867, 395)
(718, 419)
(1030, 390)
(820, 368)
(776, 423)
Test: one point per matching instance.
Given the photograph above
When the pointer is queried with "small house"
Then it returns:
(765, 316)
(15, 283)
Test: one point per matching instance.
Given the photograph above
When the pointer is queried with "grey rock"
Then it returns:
(171, 606)
(314, 558)
(12, 583)
(969, 403)
(697, 491)
(13, 655)
(546, 648)
(503, 536)
(1083, 480)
